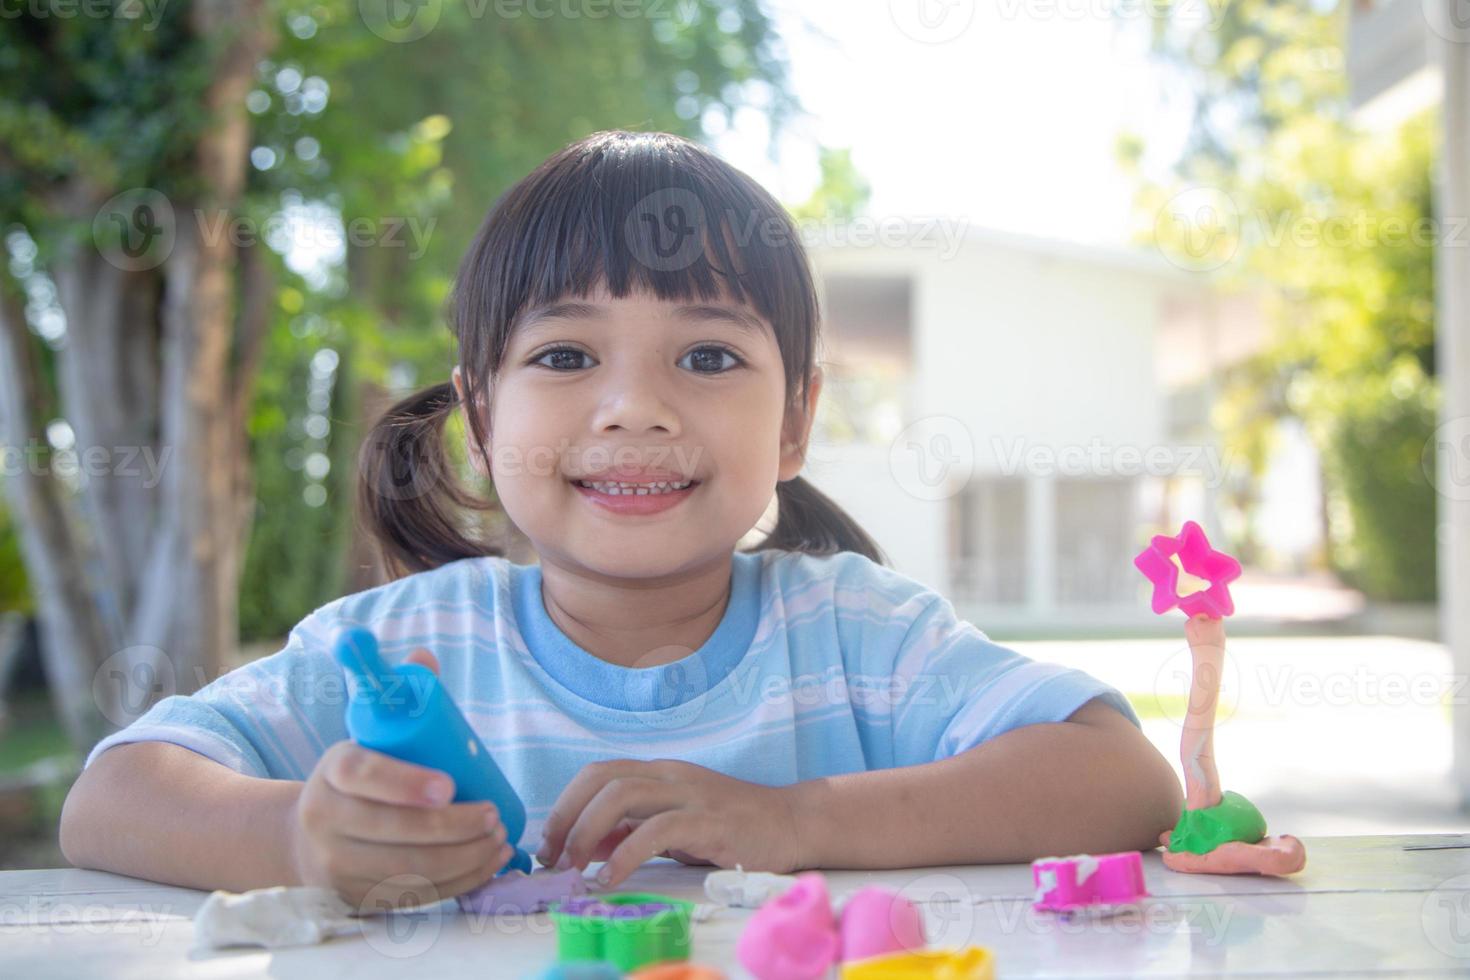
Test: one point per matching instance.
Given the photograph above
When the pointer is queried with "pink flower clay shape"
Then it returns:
(1200, 560)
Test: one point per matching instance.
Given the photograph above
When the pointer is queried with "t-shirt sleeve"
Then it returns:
(271, 718)
(953, 688)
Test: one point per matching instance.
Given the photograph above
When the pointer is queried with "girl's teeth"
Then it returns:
(638, 489)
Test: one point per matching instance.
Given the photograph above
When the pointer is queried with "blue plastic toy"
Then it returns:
(406, 713)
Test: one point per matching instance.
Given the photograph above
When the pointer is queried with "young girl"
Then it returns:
(637, 332)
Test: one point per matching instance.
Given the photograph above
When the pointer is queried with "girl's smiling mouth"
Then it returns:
(631, 498)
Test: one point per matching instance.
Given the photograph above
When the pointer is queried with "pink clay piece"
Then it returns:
(876, 922)
(794, 935)
(1064, 884)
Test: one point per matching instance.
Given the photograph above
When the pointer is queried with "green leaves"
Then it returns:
(1336, 222)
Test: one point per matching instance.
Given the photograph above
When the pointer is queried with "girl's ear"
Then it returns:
(797, 430)
(477, 460)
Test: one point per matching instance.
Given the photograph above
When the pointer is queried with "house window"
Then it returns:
(1096, 520)
(988, 541)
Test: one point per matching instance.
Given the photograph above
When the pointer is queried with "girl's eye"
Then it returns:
(712, 358)
(709, 359)
(562, 363)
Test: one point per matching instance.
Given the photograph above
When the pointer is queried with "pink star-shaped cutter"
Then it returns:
(1198, 559)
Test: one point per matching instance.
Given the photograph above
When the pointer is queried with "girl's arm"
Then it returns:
(1091, 784)
(371, 827)
(160, 811)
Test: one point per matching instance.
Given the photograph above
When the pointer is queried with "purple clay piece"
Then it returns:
(590, 907)
(585, 906)
(517, 891)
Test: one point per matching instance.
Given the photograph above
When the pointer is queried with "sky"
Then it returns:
(1002, 112)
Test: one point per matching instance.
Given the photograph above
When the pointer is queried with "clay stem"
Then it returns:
(1197, 744)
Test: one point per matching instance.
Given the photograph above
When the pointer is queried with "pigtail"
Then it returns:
(407, 494)
(807, 520)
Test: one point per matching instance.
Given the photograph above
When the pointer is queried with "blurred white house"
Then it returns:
(1012, 417)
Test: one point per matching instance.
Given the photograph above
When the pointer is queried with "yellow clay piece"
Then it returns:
(967, 963)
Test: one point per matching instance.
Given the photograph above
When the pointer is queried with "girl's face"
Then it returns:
(639, 390)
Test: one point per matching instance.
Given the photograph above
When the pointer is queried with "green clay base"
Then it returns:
(1234, 818)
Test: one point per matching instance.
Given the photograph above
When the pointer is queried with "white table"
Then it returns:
(1377, 906)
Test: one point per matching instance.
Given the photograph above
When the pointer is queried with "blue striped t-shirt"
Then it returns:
(820, 665)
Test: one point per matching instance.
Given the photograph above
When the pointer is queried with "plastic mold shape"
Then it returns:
(794, 935)
(1199, 559)
(1088, 881)
(966, 963)
(627, 929)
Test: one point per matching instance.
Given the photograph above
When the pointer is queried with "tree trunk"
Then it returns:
(137, 590)
(73, 638)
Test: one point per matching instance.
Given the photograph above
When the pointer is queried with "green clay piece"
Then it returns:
(1234, 818)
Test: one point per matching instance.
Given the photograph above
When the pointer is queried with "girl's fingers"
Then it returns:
(424, 657)
(438, 863)
(634, 797)
(609, 843)
(567, 809)
(387, 823)
(351, 769)
(664, 832)
(474, 879)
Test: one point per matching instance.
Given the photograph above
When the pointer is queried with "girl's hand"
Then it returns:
(625, 811)
(364, 817)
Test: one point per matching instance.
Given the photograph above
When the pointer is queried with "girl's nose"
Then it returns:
(636, 405)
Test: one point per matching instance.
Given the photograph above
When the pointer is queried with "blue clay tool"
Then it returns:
(405, 712)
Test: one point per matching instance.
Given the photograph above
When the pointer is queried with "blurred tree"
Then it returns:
(147, 359)
(843, 192)
(1277, 184)
(15, 593)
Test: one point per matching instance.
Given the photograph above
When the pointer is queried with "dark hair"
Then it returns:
(597, 212)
